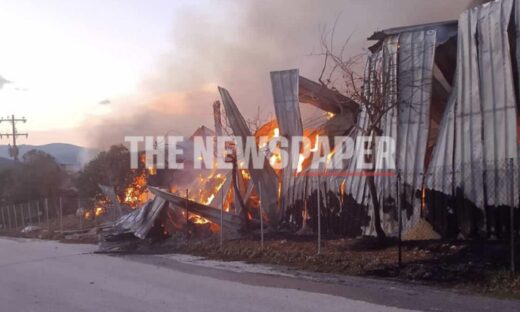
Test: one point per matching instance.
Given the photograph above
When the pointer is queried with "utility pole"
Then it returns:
(13, 150)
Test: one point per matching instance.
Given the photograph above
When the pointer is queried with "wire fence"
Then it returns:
(59, 214)
(478, 199)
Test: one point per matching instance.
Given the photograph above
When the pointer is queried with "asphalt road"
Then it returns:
(49, 276)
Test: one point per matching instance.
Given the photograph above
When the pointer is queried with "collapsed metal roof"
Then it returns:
(140, 221)
(444, 30)
(455, 129)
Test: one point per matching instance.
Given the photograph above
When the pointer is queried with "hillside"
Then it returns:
(67, 154)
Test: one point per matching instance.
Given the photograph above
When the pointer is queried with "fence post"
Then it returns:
(222, 217)
(512, 212)
(23, 217)
(61, 217)
(399, 221)
(319, 216)
(80, 215)
(29, 210)
(9, 217)
(261, 217)
(15, 217)
(3, 219)
(187, 214)
(187, 208)
(38, 211)
(47, 212)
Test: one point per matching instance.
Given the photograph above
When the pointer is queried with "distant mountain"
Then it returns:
(65, 154)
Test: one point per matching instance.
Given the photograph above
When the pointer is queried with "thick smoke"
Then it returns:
(235, 44)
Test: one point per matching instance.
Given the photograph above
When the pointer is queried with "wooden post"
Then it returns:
(187, 208)
(38, 211)
(47, 212)
(61, 216)
(80, 215)
(15, 217)
(319, 216)
(23, 217)
(512, 212)
(3, 219)
(4, 226)
(222, 217)
(29, 210)
(399, 221)
(187, 214)
(261, 217)
(9, 217)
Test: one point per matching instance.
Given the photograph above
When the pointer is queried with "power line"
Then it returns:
(13, 150)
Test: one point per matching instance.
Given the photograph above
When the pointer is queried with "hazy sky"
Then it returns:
(159, 62)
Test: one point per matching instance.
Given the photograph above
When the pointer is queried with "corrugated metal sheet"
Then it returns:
(110, 193)
(391, 69)
(142, 220)
(285, 85)
(479, 130)
(229, 220)
(440, 171)
(415, 72)
(517, 35)
(404, 67)
(265, 177)
(497, 95)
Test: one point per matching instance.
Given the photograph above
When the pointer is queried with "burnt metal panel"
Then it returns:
(440, 171)
(110, 193)
(404, 66)
(479, 130)
(212, 214)
(285, 86)
(415, 72)
(497, 95)
(141, 221)
(389, 59)
(266, 177)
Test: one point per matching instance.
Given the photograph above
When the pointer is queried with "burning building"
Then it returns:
(454, 116)
(453, 111)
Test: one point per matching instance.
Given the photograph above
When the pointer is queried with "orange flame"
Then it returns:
(135, 193)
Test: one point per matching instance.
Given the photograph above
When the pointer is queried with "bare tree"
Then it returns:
(375, 91)
(254, 123)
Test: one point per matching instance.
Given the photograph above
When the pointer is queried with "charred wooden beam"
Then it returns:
(217, 118)
(313, 93)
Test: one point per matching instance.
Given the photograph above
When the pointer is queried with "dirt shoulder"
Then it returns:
(481, 267)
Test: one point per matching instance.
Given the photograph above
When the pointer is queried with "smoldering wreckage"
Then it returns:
(457, 149)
